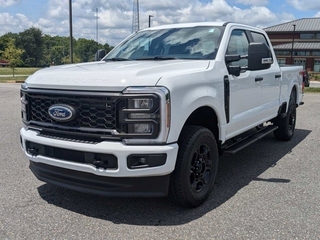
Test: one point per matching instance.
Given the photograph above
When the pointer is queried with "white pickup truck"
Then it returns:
(152, 117)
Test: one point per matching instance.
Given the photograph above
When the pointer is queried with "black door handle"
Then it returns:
(258, 79)
(278, 76)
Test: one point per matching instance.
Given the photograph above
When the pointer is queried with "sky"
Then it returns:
(114, 18)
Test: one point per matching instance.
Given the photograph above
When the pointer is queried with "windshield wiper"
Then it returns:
(157, 58)
(117, 59)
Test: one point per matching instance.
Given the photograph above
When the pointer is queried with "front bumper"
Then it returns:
(156, 186)
(86, 177)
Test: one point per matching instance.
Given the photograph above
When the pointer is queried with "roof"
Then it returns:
(4, 62)
(196, 24)
(298, 46)
(302, 25)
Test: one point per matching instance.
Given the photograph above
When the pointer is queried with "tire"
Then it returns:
(287, 124)
(196, 168)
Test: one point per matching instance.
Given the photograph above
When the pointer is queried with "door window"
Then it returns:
(238, 44)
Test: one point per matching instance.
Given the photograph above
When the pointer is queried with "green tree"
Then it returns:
(31, 40)
(66, 60)
(12, 54)
(4, 39)
(86, 49)
(55, 49)
(107, 47)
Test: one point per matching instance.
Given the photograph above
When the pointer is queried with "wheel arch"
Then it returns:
(295, 91)
(204, 116)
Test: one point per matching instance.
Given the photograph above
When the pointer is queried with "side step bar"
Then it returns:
(244, 142)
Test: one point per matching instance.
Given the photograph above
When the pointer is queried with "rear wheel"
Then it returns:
(287, 124)
(196, 167)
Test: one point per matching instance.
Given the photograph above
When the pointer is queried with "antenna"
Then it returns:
(135, 18)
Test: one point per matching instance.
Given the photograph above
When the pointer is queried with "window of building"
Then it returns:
(316, 66)
(317, 35)
(301, 53)
(316, 53)
(281, 61)
(300, 62)
(282, 53)
(307, 35)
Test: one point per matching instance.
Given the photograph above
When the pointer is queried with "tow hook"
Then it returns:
(33, 151)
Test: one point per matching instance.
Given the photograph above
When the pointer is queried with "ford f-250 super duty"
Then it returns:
(153, 116)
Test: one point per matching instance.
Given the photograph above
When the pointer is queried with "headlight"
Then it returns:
(145, 118)
(24, 103)
(144, 103)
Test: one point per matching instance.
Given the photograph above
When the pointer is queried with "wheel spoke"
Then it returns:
(200, 169)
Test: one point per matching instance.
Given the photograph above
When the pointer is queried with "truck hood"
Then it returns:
(111, 76)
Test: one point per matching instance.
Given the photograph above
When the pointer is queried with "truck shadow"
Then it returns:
(235, 172)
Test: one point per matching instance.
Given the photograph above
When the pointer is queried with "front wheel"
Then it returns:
(287, 124)
(193, 178)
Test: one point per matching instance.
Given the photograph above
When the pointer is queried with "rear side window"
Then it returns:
(258, 37)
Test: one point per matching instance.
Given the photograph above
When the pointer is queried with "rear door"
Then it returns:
(270, 80)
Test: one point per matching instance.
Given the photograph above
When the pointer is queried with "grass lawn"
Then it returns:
(6, 79)
(17, 71)
(311, 90)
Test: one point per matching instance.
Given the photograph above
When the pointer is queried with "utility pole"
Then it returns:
(97, 27)
(150, 16)
(294, 31)
(135, 16)
(70, 26)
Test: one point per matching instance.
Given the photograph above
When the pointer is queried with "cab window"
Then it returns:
(238, 44)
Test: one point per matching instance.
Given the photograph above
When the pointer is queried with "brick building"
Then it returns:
(297, 42)
(4, 63)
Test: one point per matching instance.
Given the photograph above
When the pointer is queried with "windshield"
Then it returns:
(199, 42)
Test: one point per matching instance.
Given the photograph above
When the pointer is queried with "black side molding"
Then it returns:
(226, 82)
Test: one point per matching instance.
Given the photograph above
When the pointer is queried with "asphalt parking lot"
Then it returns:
(270, 190)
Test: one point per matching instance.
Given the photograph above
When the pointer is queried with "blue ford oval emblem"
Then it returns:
(62, 112)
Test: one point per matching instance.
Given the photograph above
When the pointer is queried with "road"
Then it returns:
(19, 75)
(314, 84)
(270, 190)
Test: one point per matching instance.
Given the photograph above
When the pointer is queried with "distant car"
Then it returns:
(306, 78)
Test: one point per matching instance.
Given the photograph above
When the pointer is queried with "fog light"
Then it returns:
(145, 161)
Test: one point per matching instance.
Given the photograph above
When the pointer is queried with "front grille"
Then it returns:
(95, 113)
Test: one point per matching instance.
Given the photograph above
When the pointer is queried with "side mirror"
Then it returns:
(259, 56)
(232, 58)
(234, 70)
(100, 54)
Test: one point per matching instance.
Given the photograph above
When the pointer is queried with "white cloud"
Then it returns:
(13, 23)
(115, 17)
(7, 3)
(253, 2)
(305, 4)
